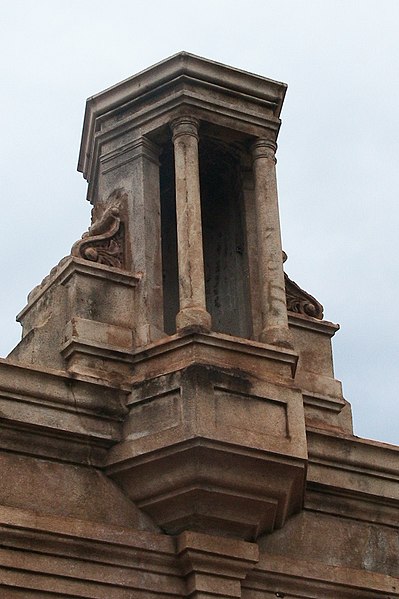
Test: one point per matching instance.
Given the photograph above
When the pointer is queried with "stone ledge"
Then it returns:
(372, 457)
(278, 576)
(68, 536)
(68, 268)
(307, 322)
(58, 389)
(46, 554)
(374, 510)
(233, 353)
(354, 468)
(324, 402)
(51, 415)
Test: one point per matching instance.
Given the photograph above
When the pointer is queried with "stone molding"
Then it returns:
(227, 351)
(49, 414)
(75, 558)
(129, 151)
(320, 326)
(280, 576)
(117, 561)
(350, 467)
(184, 125)
(264, 148)
(239, 100)
(98, 350)
(213, 566)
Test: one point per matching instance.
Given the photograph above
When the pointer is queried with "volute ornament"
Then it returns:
(104, 241)
(300, 301)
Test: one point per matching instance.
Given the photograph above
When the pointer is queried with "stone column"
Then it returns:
(189, 228)
(270, 257)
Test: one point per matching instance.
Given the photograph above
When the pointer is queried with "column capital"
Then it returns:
(184, 125)
(264, 148)
(140, 147)
(144, 148)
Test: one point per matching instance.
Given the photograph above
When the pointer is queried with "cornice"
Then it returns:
(313, 579)
(181, 74)
(71, 555)
(72, 265)
(313, 324)
(352, 477)
(248, 352)
(49, 414)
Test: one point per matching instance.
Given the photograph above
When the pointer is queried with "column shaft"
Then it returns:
(270, 257)
(189, 228)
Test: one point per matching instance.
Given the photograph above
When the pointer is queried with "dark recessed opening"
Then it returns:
(169, 239)
(225, 248)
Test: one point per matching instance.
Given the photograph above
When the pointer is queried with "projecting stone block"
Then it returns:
(213, 450)
(80, 317)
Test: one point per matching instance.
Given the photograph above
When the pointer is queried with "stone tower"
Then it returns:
(174, 427)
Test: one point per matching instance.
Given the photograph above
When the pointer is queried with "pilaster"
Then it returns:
(135, 169)
(214, 566)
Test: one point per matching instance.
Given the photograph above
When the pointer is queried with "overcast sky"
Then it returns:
(337, 160)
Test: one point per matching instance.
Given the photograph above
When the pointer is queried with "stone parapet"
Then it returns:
(81, 319)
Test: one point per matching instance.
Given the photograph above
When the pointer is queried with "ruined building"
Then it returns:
(170, 422)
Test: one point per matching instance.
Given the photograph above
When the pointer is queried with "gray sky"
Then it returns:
(337, 160)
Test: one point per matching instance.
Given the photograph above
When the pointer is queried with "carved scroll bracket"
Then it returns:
(104, 242)
(300, 301)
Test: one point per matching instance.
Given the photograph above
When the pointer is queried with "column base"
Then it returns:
(279, 336)
(193, 317)
(146, 334)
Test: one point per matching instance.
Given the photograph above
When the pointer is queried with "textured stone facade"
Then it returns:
(170, 421)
